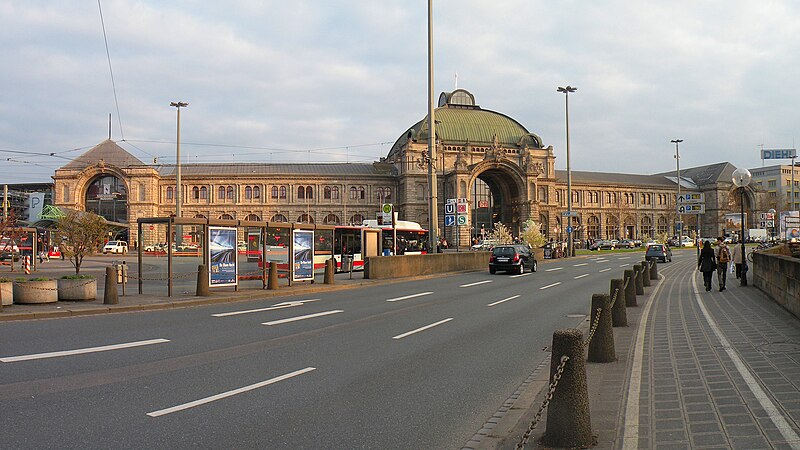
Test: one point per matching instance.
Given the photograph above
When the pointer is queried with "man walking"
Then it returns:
(723, 255)
(736, 257)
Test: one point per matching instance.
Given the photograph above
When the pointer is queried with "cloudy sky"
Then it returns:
(340, 80)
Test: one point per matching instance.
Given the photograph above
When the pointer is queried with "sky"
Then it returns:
(340, 81)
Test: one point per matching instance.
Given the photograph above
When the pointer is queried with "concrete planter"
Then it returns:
(36, 292)
(77, 290)
(7, 292)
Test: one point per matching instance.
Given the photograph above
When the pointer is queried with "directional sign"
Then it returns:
(692, 209)
(449, 220)
(691, 197)
(462, 220)
(451, 200)
(449, 208)
(569, 213)
(461, 208)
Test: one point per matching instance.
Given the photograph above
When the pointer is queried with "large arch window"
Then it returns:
(107, 196)
(279, 218)
(356, 219)
(305, 218)
(593, 227)
(226, 216)
(331, 219)
(252, 217)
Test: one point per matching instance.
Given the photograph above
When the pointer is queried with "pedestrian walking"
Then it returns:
(736, 257)
(723, 256)
(707, 264)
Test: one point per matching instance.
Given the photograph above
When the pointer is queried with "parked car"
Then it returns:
(602, 245)
(659, 252)
(512, 258)
(625, 243)
(687, 242)
(120, 247)
(8, 250)
(483, 245)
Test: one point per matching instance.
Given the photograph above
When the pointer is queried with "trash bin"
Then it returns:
(347, 263)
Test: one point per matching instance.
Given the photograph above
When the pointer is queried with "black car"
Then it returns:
(659, 252)
(513, 258)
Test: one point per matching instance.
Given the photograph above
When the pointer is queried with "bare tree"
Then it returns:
(80, 234)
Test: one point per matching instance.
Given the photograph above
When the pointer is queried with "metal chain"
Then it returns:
(614, 297)
(594, 326)
(627, 281)
(556, 378)
(37, 288)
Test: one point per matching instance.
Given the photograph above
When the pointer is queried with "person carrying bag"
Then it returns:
(707, 264)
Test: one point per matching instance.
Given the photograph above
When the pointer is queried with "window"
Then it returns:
(361, 193)
(301, 192)
(387, 194)
(229, 191)
(256, 192)
(326, 193)
(248, 193)
(283, 193)
(203, 193)
(66, 194)
(196, 193)
(353, 193)
(305, 218)
(279, 218)
(420, 192)
(226, 216)
(542, 194)
(593, 227)
(357, 219)
(141, 192)
(199, 216)
(170, 193)
(331, 219)
(252, 217)
(309, 192)
(576, 197)
(335, 193)
(274, 191)
(221, 194)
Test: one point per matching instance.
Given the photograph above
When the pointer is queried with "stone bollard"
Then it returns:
(330, 269)
(619, 317)
(637, 270)
(272, 283)
(645, 273)
(202, 281)
(601, 347)
(653, 270)
(630, 288)
(110, 296)
(568, 421)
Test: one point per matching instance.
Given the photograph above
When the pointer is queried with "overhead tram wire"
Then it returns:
(113, 84)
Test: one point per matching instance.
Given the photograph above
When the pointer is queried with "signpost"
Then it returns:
(456, 210)
(692, 209)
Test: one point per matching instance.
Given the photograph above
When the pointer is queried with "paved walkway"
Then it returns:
(695, 369)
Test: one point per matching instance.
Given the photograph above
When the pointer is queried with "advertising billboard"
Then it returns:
(790, 225)
(222, 265)
(303, 255)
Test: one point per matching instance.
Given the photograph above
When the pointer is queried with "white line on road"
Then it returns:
(581, 276)
(624, 265)
(601, 260)
(581, 264)
(605, 270)
(203, 401)
(81, 351)
(503, 300)
(476, 283)
(308, 316)
(554, 269)
(550, 285)
(401, 336)
(624, 257)
(520, 275)
(270, 308)
(397, 299)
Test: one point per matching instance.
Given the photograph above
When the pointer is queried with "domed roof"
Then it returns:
(461, 122)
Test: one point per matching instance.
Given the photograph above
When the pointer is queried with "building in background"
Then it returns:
(776, 181)
(27, 200)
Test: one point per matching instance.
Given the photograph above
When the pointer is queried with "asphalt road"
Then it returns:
(418, 364)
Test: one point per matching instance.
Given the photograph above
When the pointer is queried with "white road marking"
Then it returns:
(554, 269)
(575, 316)
(630, 439)
(401, 336)
(81, 351)
(624, 257)
(503, 300)
(270, 308)
(581, 276)
(520, 275)
(624, 265)
(307, 316)
(605, 270)
(397, 299)
(581, 264)
(203, 401)
(476, 283)
(763, 398)
(550, 285)
(601, 260)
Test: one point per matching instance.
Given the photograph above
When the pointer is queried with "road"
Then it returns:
(417, 364)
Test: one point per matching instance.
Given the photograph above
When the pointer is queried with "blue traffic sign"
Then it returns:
(569, 229)
(449, 220)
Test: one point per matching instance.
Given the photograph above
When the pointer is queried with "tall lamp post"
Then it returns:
(679, 225)
(433, 213)
(178, 231)
(741, 178)
(571, 247)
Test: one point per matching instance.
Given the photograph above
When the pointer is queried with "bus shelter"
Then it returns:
(237, 253)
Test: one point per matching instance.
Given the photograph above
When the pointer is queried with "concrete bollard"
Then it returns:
(637, 270)
(645, 273)
(330, 269)
(653, 270)
(202, 281)
(110, 296)
(619, 316)
(630, 288)
(568, 420)
(272, 283)
(601, 347)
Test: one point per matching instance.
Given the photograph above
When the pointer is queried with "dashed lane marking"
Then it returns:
(581, 264)
(476, 283)
(503, 300)
(307, 316)
(81, 351)
(581, 276)
(270, 308)
(408, 296)
(605, 270)
(520, 275)
(554, 269)
(550, 285)
(401, 336)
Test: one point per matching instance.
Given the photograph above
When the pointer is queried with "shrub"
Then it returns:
(77, 277)
(5, 280)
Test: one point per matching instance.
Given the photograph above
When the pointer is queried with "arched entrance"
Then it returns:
(496, 196)
(107, 196)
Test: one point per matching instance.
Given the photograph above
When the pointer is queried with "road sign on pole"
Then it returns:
(449, 208)
(569, 214)
(462, 220)
(449, 220)
(692, 209)
(691, 197)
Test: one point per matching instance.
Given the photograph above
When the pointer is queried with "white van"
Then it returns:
(116, 247)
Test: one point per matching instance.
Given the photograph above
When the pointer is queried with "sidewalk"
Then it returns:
(694, 369)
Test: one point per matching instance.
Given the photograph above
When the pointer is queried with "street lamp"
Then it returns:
(679, 225)
(571, 248)
(741, 178)
(178, 231)
(433, 212)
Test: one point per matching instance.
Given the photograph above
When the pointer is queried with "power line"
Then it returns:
(113, 84)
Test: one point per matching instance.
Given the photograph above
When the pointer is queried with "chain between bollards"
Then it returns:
(594, 327)
(556, 378)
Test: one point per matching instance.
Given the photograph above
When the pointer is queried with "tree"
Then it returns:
(531, 234)
(80, 234)
(500, 234)
(10, 230)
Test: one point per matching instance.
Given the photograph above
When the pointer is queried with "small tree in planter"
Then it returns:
(531, 234)
(80, 234)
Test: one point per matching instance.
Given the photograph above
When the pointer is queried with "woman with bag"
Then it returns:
(707, 263)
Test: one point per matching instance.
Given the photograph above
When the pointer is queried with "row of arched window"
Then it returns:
(610, 198)
(253, 193)
(330, 219)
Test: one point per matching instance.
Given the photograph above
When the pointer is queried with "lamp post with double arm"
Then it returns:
(741, 178)
(571, 248)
